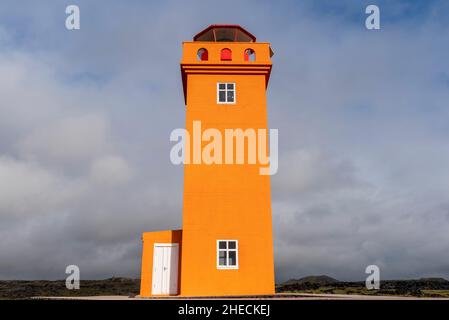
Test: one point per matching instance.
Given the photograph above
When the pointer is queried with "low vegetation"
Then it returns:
(429, 287)
(426, 287)
(15, 289)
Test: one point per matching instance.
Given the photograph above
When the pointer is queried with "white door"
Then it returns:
(165, 268)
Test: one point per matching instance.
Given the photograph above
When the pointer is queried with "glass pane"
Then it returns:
(232, 258)
(222, 96)
(230, 86)
(232, 244)
(222, 244)
(250, 55)
(222, 86)
(230, 96)
(222, 258)
(202, 55)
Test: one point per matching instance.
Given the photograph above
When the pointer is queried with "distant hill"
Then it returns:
(440, 280)
(319, 280)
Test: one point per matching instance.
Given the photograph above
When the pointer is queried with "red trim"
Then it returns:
(184, 84)
(229, 65)
(225, 71)
(236, 26)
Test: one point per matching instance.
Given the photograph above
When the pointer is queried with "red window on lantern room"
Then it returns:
(202, 55)
(226, 54)
(249, 55)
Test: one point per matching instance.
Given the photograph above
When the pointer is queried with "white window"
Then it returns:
(227, 254)
(226, 93)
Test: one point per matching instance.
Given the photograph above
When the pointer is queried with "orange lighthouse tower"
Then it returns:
(225, 246)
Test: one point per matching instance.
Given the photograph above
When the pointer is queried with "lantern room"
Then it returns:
(224, 33)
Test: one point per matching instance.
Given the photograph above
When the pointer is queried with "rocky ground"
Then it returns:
(321, 285)
(15, 289)
(426, 287)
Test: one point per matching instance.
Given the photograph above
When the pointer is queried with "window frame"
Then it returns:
(226, 93)
(246, 57)
(200, 57)
(225, 54)
(227, 250)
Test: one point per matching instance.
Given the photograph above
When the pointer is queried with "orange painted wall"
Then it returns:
(148, 240)
(226, 201)
(190, 49)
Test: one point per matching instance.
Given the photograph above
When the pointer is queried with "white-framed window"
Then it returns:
(227, 254)
(226, 93)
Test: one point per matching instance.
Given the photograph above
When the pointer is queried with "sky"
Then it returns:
(363, 120)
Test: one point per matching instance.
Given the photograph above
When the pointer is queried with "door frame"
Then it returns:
(162, 245)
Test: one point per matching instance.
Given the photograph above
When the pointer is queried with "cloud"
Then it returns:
(70, 140)
(110, 170)
(85, 119)
(28, 189)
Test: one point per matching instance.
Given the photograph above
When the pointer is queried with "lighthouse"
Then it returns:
(225, 247)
